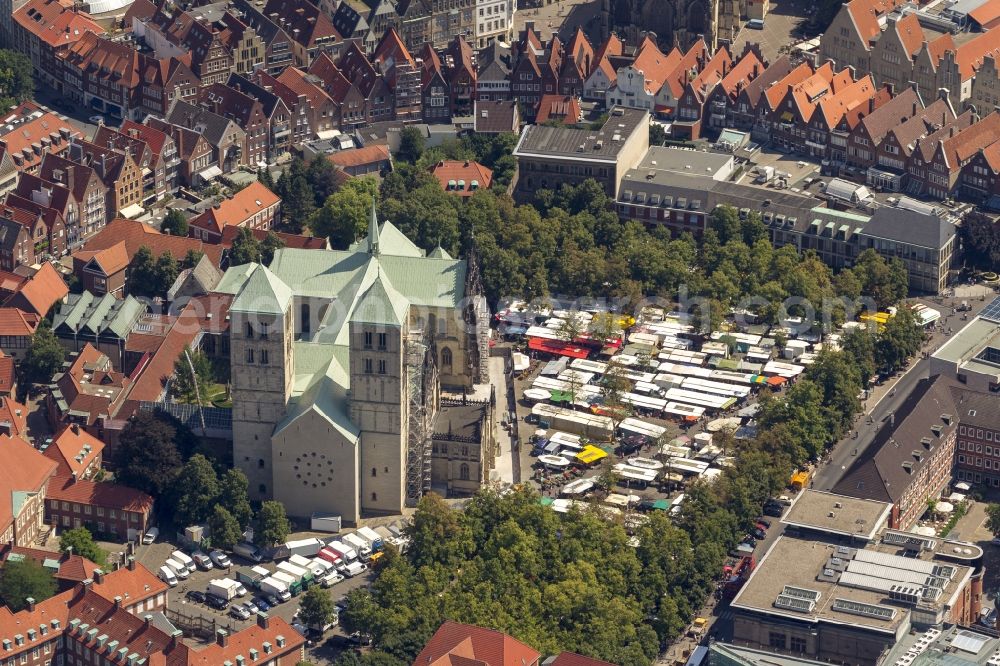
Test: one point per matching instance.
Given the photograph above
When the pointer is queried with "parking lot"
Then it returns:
(153, 556)
(781, 28)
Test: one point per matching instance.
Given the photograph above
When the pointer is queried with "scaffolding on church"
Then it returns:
(420, 379)
(477, 321)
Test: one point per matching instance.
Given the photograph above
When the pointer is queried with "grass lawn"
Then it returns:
(218, 397)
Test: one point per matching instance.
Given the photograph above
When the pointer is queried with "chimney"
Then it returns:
(76, 428)
(118, 602)
(221, 637)
(30, 602)
(146, 619)
(131, 564)
(98, 576)
(174, 638)
(263, 621)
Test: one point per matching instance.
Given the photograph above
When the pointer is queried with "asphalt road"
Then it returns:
(843, 454)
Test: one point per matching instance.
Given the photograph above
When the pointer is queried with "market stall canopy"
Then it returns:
(718, 425)
(944, 507)
(591, 454)
(521, 361)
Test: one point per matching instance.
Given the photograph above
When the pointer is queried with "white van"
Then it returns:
(178, 556)
(179, 569)
(167, 575)
(355, 568)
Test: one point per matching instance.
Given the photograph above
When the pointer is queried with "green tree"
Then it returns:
(196, 490)
(437, 533)
(142, 277)
(184, 385)
(272, 524)
(980, 236)
(23, 579)
(316, 609)
(192, 258)
(166, 272)
(81, 542)
(993, 518)
(245, 248)
(265, 178)
(147, 456)
(233, 495)
(175, 223)
(322, 177)
(345, 215)
(226, 531)
(859, 344)
(657, 135)
(411, 144)
(44, 357)
(884, 281)
(16, 81)
(900, 340)
(272, 243)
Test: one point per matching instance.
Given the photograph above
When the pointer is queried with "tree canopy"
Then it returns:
(81, 542)
(316, 610)
(16, 81)
(993, 518)
(147, 455)
(44, 357)
(175, 223)
(22, 579)
(272, 524)
(189, 388)
(151, 277)
(345, 214)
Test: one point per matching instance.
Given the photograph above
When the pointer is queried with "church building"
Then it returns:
(337, 362)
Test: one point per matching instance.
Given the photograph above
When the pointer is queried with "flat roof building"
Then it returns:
(972, 355)
(817, 510)
(835, 599)
(550, 156)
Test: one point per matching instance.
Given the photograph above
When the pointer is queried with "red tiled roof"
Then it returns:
(654, 65)
(111, 260)
(55, 23)
(866, 13)
(150, 383)
(151, 136)
(26, 142)
(42, 290)
(11, 282)
(299, 83)
(143, 343)
(137, 234)
(612, 46)
(290, 240)
(69, 449)
(108, 495)
(15, 322)
(911, 35)
(54, 608)
(7, 376)
(240, 643)
(574, 659)
(454, 171)
(358, 156)
(776, 92)
(22, 469)
(678, 78)
(71, 567)
(850, 103)
(745, 70)
(937, 47)
(991, 154)
(459, 644)
(131, 586)
(961, 147)
(391, 45)
(239, 210)
(14, 413)
(970, 55)
(558, 107)
(986, 13)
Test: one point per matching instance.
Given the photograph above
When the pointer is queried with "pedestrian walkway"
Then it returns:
(505, 462)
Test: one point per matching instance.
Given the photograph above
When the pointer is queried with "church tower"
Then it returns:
(379, 391)
(262, 372)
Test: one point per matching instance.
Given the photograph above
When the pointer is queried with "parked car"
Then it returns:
(151, 535)
(195, 596)
(220, 559)
(202, 561)
(241, 591)
(250, 608)
(755, 24)
(216, 602)
(239, 613)
(758, 533)
(774, 510)
(331, 578)
(766, 523)
(261, 604)
(272, 600)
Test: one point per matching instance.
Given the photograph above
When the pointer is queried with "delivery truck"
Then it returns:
(359, 545)
(304, 547)
(182, 557)
(346, 553)
(278, 588)
(325, 522)
(225, 588)
(251, 576)
(304, 562)
(294, 586)
(301, 574)
(373, 538)
(332, 556)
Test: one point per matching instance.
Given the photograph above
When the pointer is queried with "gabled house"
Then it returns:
(164, 158)
(839, 114)
(795, 105)
(253, 207)
(17, 328)
(153, 175)
(45, 224)
(602, 75)
(311, 30)
(748, 109)
(43, 290)
(919, 174)
(849, 38)
(577, 64)
(87, 209)
(375, 96)
(721, 99)
(31, 137)
(400, 71)
(435, 89)
(16, 248)
(102, 271)
(461, 75)
(119, 172)
(953, 153)
(414, 22)
(226, 138)
(891, 156)
(248, 114)
(277, 113)
(278, 51)
(689, 118)
(43, 29)
(181, 33)
(493, 74)
(313, 111)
